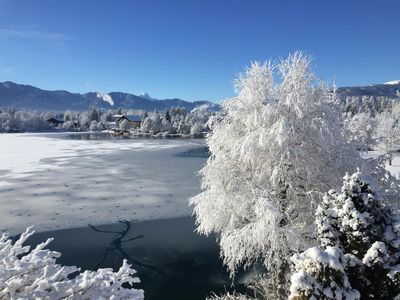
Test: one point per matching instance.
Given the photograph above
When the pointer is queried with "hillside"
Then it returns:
(388, 89)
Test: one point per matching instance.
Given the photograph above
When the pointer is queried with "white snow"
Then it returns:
(24, 154)
(394, 169)
(27, 273)
(377, 254)
(393, 82)
(146, 96)
(60, 183)
(105, 97)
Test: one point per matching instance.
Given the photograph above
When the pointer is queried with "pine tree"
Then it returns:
(365, 234)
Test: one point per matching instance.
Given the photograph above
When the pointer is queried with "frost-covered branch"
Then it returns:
(34, 274)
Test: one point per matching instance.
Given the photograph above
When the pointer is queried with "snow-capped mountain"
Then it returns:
(106, 97)
(393, 82)
(30, 97)
(146, 96)
(388, 89)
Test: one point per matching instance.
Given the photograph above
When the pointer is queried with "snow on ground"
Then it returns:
(62, 183)
(394, 169)
(23, 154)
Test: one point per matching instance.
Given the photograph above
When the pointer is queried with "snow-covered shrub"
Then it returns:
(34, 274)
(366, 235)
(319, 274)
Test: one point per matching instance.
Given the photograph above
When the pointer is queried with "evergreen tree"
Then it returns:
(365, 234)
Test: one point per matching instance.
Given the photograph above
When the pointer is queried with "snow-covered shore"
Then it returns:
(54, 183)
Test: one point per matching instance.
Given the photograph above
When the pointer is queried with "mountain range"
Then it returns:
(388, 89)
(29, 97)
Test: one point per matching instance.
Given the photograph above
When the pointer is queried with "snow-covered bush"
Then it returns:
(366, 237)
(34, 274)
(320, 275)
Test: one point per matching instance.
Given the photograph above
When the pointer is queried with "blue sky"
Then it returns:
(191, 49)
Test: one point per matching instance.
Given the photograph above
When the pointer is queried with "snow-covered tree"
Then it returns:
(34, 274)
(69, 115)
(18, 120)
(94, 114)
(153, 123)
(84, 120)
(388, 132)
(196, 129)
(319, 274)
(125, 125)
(93, 125)
(359, 129)
(365, 235)
(68, 125)
(278, 147)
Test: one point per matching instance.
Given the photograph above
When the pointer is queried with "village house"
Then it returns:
(54, 121)
(134, 120)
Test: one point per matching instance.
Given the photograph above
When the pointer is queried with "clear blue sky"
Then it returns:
(191, 49)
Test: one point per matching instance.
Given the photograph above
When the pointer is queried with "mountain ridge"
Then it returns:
(388, 89)
(25, 96)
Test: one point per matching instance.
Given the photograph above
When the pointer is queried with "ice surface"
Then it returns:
(60, 183)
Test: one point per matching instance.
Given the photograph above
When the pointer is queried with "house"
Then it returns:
(134, 120)
(54, 121)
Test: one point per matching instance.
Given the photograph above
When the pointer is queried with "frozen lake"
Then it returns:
(173, 262)
(61, 183)
(56, 181)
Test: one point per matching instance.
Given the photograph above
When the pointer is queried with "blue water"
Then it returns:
(173, 262)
